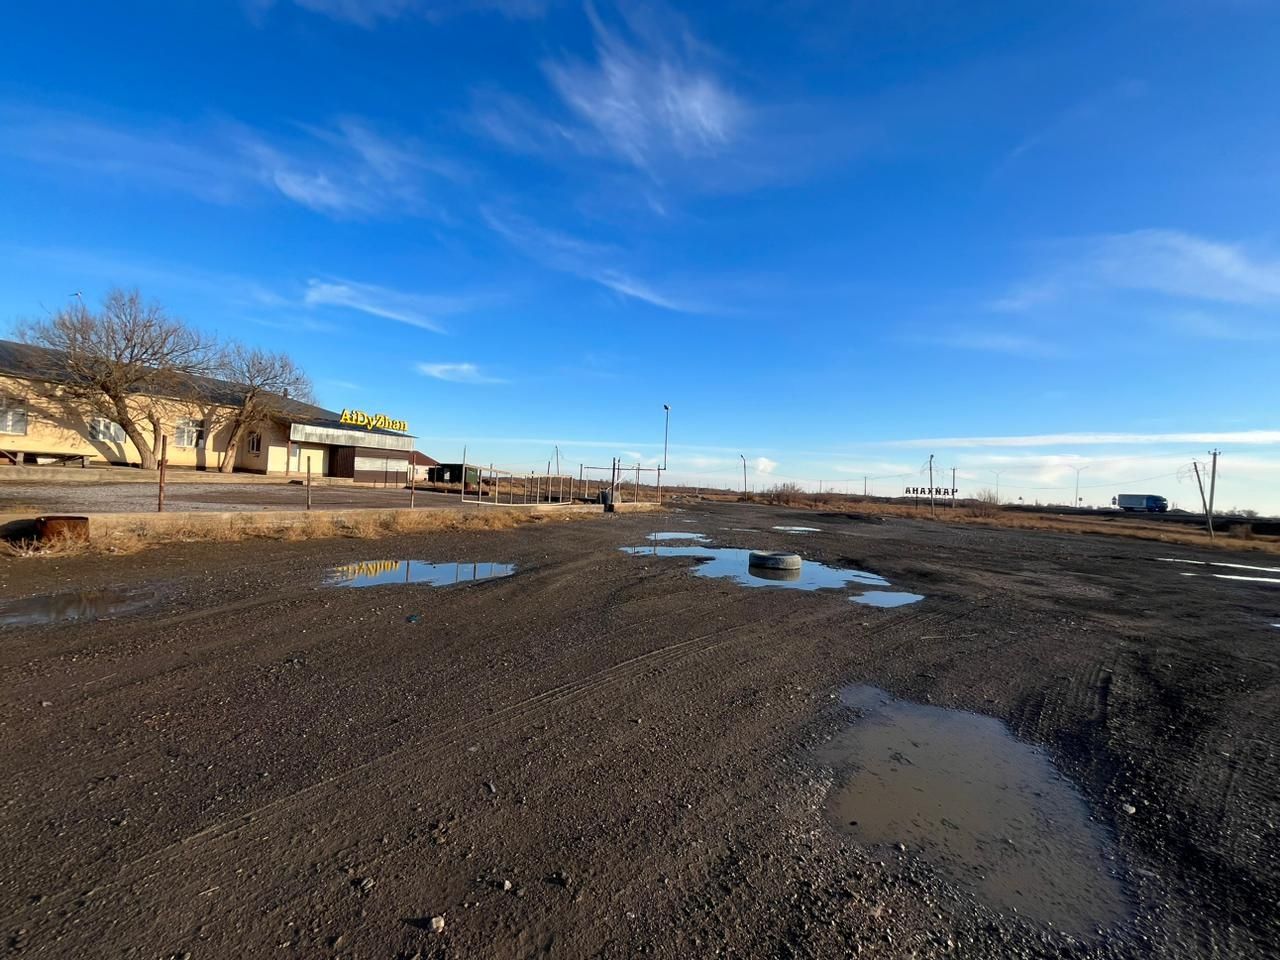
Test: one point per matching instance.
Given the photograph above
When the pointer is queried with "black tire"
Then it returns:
(774, 560)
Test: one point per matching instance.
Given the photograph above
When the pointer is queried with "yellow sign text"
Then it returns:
(372, 421)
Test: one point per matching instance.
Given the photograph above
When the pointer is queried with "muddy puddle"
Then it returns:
(676, 535)
(731, 563)
(72, 606)
(375, 573)
(887, 598)
(983, 808)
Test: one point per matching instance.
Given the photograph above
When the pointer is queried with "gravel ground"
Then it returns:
(608, 756)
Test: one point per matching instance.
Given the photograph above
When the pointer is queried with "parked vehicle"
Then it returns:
(1141, 503)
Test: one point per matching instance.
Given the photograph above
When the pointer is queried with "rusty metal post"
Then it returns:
(413, 482)
(308, 481)
(164, 459)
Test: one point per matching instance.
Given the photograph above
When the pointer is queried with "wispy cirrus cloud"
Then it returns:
(652, 104)
(457, 373)
(1170, 263)
(414, 309)
(591, 261)
(645, 103)
(345, 169)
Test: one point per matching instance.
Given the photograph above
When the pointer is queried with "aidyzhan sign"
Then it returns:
(372, 421)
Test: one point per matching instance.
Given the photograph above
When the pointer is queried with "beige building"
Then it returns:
(41, 423)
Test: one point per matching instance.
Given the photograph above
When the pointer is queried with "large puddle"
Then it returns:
(376, 573)
(676, 535)
(799, 529)
(72, 606)
(987, 810)
(731, 563)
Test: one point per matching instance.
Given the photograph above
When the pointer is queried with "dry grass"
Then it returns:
(360, 525)
(986, 514)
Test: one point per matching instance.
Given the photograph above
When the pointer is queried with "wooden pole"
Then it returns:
(164, 460)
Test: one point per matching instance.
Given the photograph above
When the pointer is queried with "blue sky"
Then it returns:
(835, 238)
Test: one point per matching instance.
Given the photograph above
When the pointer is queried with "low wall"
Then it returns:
(103, 526)
(100, 474)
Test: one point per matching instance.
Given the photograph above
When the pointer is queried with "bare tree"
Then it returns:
(119, 362)
(263, 382)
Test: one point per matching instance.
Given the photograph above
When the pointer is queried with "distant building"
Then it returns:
(41, 423)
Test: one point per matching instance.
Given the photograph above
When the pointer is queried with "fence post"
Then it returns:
(413, 482)
(164, 459)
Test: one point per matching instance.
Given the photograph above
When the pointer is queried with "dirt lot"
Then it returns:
(135, 497)
(606, 755)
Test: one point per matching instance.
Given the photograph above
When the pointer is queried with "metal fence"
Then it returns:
(494, 485)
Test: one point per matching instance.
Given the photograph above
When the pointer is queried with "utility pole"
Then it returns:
(1213, 483)
(864, 486)
(953, 488)
(997, 473)
(557, 459)
(744, 474)
(932, 509)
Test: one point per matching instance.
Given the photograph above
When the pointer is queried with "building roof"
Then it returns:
(40, 363)
(420, 459)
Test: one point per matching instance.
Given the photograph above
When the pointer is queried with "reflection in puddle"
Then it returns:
(799, 529)
(886, 598)
(67, 607)
(732, 563)
(373, 573)
(982, 807)
(677, 535)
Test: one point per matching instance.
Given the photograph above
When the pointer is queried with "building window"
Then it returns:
(188, 433)
(255, 443)
(13, 415)
(105, 431)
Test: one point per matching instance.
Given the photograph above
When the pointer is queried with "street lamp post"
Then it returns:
(997, 473)
(1076, 504)
(666, 433)
(744, 475)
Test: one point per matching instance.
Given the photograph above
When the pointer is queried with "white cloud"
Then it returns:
(1184, 265)
(345, 169)
(646, 104)
(569, 254)
(764, 465)
(415, 309)
(456, 373)
(1244, 437)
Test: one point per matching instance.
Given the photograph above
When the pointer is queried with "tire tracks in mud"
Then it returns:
(396, 768)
